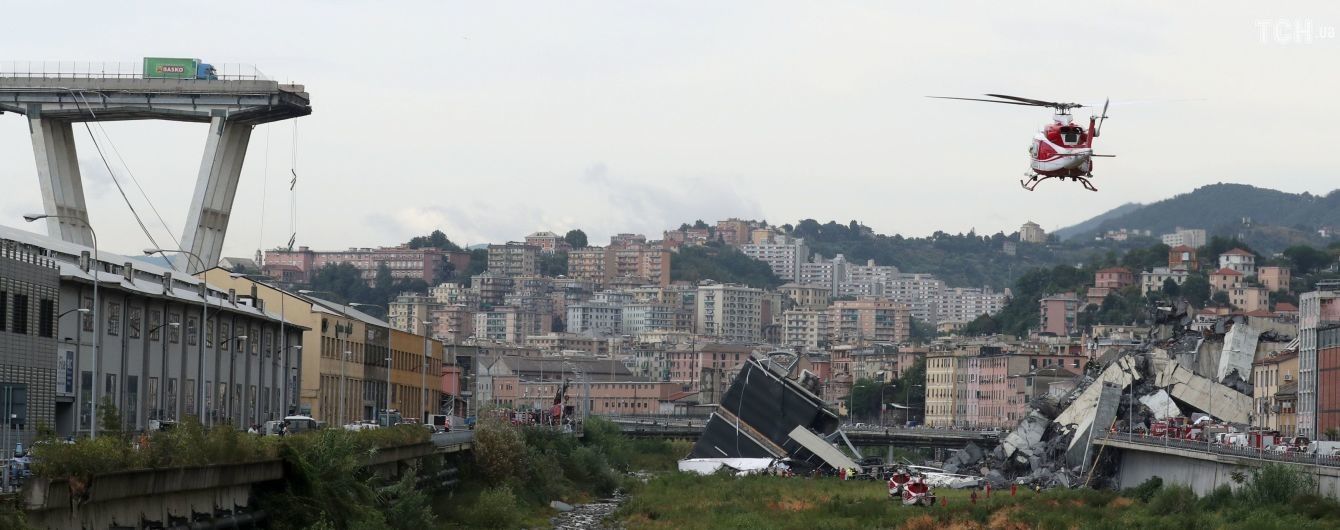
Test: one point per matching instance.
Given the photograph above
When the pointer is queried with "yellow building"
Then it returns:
(941, 370)
(343, 368)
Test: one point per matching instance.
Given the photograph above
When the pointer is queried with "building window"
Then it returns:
(133, 317)
(192, 331)
(113, 319)
(225, 332)
(155, 324)
(21, 314)
(46, 318)
(4, 309)
(88, 317)
(174, 332)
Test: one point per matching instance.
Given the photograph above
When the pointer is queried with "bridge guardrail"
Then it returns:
(1262, 454)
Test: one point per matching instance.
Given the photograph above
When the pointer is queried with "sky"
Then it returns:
(492, 120)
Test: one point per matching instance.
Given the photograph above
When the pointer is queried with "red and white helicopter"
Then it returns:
(1061, 149)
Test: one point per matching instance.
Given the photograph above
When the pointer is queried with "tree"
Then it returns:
(1220, 298)
(921, 332)
(343, 280)
(1171, 288)
(700, 224)
(980, 326)
(444, 272)
(479, 262)
(721, 263)
(1196, 290)
(437, 240)
(1306, 259)
(576, 238)
(553, 265)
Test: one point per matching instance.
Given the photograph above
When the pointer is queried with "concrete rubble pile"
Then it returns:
(1179, 371)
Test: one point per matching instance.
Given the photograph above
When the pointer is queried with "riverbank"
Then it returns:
(682, 501)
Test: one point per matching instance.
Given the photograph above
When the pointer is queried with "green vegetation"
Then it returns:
(723, 264)
(722, 501)
(555, 264)
(575, 238)
(347, 284)
(1277, 219)
(910, 389)
(515, 471)
(437, 240)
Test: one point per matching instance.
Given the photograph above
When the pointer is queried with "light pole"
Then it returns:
(97, 323)
(423, 379)
(204, 321)
(387, 409)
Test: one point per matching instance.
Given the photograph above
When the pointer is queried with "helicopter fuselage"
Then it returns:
(1063, 149)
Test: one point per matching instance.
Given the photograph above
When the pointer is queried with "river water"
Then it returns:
(593, 515)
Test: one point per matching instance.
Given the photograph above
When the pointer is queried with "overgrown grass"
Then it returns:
(679, 500)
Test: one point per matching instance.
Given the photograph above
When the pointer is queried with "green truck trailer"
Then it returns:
(173, 68)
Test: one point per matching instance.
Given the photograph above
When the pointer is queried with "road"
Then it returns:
(453, 437)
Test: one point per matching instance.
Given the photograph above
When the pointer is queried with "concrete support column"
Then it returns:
(216, 185)
(58, 174)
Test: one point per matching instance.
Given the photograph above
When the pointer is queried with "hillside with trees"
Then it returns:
(1270, 220)
(721, 263)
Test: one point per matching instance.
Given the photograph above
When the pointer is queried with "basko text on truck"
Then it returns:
(173, 68)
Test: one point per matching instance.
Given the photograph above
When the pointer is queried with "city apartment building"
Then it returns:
(568, 342)
(941, 374)
(803, 296)
(1249, 298)
(595, 318)
(734, 232)
(1274, 278)
(1060, 314)
(1225, 280)
(548, 242)
(707, 367)
(298, 266)
(824, 272)
(644, 318)
(1238, 260)
(807, 328)
(1190, 237)
(730, 312)
(638, 262)
(513, 259)
(960, 305)
(1155, 279)
(1318, 359)
(1109, 281)
(410, 311)
(452, 323)
(1183, 257)
(783, 254)
(867, 320)
(923, 295)
(510, 325)
(1275, 390)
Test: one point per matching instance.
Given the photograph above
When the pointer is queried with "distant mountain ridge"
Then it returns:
(1225, 209)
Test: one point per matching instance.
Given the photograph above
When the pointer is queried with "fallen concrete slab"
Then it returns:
(1161, 405)
(1215, 399)
(1238, 352)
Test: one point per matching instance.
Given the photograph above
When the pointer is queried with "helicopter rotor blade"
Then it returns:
(1038, 102)
(989, 101)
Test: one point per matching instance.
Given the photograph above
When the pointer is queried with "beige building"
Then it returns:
(867, 320)
(730, 312)
(1225, 280)
(807, 328)
(513, 259)
(941, 374)
(1274, 278)
(807, 296)
(734, 232)
(1031, 232)
(344, 365)
(1274, 409)
(1249, 298)
(632, 262)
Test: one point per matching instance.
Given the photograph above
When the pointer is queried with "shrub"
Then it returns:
(499, 450)
(406, 507)
(1175, 499)
(1146, 489)
(1221, 497)
(495, 508)
(1276, 484)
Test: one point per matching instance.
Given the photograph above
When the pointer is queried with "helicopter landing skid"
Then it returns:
(1035, 179)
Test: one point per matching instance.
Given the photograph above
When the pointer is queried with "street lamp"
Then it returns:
(77, 309)
(97, 324)
(204, 321)
(387, 409)
(423, 376)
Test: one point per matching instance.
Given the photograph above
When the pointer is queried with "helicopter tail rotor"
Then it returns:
(1101, 118)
